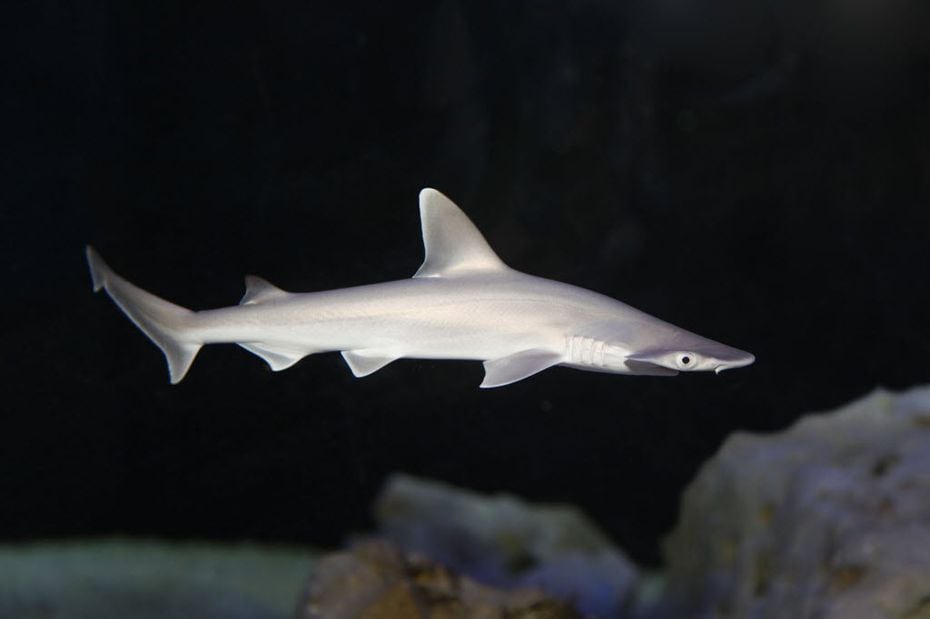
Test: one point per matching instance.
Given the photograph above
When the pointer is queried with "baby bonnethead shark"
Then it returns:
(463, 303)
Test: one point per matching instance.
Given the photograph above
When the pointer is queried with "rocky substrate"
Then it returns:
(829, 519)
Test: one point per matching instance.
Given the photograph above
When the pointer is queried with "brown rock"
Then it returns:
(375, 580)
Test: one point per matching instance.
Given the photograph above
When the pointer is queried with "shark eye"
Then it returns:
(685, 360)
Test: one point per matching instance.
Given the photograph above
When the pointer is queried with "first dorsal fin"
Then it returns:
(452, 242)
(258, 290)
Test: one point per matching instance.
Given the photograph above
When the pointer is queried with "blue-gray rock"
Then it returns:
(506, 542)
(829, 520)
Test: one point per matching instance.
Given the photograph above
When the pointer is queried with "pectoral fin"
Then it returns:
(363, 364)
(510, 369)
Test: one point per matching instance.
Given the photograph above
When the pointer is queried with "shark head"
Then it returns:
(692, 354)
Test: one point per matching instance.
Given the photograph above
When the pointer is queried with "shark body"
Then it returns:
(463, 303)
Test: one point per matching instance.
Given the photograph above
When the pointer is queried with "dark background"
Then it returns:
(757, 172)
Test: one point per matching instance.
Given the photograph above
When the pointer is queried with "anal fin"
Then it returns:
(515, 367)
(363, 363)
(277, 357)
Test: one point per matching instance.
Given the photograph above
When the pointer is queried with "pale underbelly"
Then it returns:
(406, 337)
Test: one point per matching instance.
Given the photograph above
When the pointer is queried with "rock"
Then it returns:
(375, 580)
(505, 542)
(121, 578)
(828, 519)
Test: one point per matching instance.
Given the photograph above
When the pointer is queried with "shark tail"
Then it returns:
(166, 324)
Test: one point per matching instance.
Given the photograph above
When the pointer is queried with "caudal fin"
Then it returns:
(164, 323)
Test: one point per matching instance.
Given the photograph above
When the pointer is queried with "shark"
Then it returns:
(463, 303)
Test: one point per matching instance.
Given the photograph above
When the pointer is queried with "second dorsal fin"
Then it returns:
(258, 290)
(451, 241)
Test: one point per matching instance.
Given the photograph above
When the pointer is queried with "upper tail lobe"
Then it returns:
(164, 323)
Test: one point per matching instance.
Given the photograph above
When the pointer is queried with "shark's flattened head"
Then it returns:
(703, 356)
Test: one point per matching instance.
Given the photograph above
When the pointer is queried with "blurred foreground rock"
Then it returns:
(376, 580)
(122, 579)
(829, 519)
(506, 542)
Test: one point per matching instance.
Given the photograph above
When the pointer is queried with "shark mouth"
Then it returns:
(646, 368)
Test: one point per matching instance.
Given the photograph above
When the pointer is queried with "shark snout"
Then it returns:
(737, 361)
